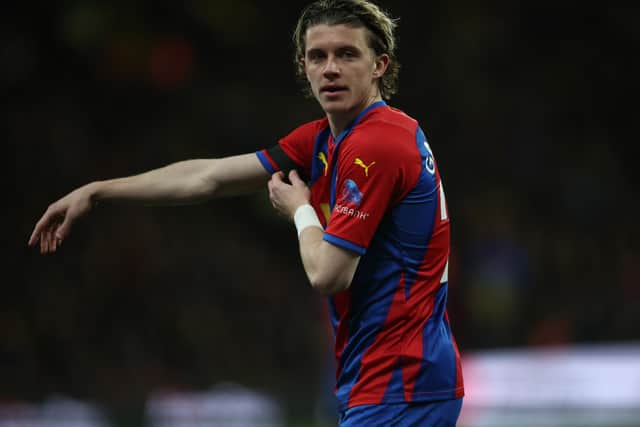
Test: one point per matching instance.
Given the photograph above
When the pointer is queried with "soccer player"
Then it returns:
(364, 191)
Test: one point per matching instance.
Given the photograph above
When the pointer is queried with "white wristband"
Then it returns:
(304, 217)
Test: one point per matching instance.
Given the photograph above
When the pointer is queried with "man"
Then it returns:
(365, 195)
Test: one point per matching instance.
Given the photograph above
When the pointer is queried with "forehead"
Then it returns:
(323, 36)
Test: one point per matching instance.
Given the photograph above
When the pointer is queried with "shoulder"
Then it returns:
(391, 120)
(388, 132)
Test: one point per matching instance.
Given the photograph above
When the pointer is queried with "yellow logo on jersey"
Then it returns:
(363, 165)
(324, 161)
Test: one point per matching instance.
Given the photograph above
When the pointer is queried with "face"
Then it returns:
(342, 69)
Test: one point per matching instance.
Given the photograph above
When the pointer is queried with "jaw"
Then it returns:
(340, 113)
(336, 107)
(343, 103)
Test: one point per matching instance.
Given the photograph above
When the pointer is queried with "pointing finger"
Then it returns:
(37, 231)
(34, 237)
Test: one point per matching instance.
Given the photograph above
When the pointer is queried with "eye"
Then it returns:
(314, 56)
(349, 54)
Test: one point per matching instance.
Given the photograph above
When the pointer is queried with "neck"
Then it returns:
(339, 121)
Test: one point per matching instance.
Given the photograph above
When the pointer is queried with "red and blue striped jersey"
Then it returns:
(377, 191)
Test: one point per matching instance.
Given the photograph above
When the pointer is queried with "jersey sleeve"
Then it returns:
(375, 171)
(294, 151)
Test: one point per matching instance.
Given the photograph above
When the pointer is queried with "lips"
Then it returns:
(332, 88)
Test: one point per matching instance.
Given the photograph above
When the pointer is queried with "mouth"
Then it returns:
(330, 89)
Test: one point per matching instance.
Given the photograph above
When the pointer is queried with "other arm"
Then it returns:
(185, 182)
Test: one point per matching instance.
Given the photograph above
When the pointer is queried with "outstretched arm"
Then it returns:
(185, 182)
(329, 268)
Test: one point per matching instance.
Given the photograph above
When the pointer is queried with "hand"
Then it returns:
(286, 198)
(55, 224)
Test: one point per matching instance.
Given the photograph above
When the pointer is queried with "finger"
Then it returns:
(49, 240)
(295, 178)
(37, 230)
(63, 229)
(270, 185)
(55, 239)
(52, 237)
(271, 192)
(44, 242)
(273, 200)
(278, 177)
(33, 239)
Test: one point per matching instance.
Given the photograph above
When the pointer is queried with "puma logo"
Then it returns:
(324, 161)
(363, 165)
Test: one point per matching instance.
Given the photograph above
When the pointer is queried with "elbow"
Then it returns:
(208, 185)
(330, 269)
(328, 285)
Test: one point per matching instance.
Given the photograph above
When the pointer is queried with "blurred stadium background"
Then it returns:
(201, 315)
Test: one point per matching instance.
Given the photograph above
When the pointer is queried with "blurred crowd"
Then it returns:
(527, 105)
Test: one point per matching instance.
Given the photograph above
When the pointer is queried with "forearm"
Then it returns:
(178, 183)
(330, 269)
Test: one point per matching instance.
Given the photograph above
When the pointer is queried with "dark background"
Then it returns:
(530, 108)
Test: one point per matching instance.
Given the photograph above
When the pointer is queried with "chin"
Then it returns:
(332, 109)
(335, 107)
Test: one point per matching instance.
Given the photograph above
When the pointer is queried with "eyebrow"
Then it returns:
(340, 49)
(314, 51)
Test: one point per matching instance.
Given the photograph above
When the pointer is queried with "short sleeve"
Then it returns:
(294, 151)
(375, 170)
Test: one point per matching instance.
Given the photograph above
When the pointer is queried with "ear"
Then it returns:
(303, 64)
(380, 64)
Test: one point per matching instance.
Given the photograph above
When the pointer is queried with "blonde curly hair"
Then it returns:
(356, 13)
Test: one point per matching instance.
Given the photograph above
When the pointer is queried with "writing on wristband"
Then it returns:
(305, 216)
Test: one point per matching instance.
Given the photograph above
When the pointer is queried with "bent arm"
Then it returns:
(329, 268)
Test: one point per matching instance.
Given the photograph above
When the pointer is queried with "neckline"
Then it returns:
(355, 121)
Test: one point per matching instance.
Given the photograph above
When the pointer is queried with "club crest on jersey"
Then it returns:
(363, 165)
(351, 193)
(350, 199)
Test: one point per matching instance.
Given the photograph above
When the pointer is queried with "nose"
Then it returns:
(331, 68)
